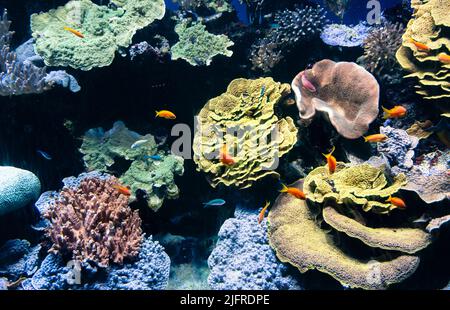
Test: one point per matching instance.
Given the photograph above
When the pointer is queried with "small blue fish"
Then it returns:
(44, 154)
(214, 203)
(263, 91)
(153, 157)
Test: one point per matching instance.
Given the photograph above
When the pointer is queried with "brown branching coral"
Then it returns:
(92, 222)
(380, 48)
(265, 55)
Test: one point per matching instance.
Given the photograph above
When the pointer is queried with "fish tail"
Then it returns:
(284, 189)
(157, 113)
(331, 153)
(386, 112)
(365, 139)
(389, 199)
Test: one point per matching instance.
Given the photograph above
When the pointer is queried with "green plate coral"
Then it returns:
(295, 233)
(243, 118)
(197, 46)
(360, 185)
(154, 176)
(105, 30)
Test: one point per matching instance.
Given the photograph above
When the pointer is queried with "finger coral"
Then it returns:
(298, 239)
(93, 223)
(429, 26)
(243, 118)
(344, 91)
(361, 185)
(155, 177)
(198, 46)
(104, 30)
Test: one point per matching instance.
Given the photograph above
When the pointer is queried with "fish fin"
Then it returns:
(386, 113)
(365, 139)
(389, 199)
(331, 153)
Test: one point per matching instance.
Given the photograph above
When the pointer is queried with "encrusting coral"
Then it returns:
(156, 177)
(430, 26)
(361, 185)
(349, 111)
(346, 36)
(93, 223)
(297, 237)
(104, 30)
(198, 46)
(244, 120)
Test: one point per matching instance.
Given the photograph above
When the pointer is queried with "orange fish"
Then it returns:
(395, 112)
(263, 212)
(165, 114)
(123, 190)
(420, 46)
(226, 158)
(75, 32)
(331, 161)
(375, 138)
(294, 192)
(444, 58)
(398, 202)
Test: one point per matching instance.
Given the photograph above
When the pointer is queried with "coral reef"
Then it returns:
(104, 30)
(18, 188)
(243, 260)
(349, 111)
(297, 237)
(398, 148)
(428, 177)
(360, 185)
(380, 47)
(156, 178)
(18, 258)
(430, 25)
(217, 6)
(93, 223)
(198, 46)
(246, 108)
(345, 36)
(265, 55)
(160, 50)
(16, 77)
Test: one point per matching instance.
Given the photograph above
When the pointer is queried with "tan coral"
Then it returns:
(243, 118)
(94, 223)
(429, 26)
(299, 240)
(361, 185)
(407, 240)
(345, 91)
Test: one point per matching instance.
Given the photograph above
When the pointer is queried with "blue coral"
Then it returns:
(398, 148)
(243, 258)
(18, 258)
(346, 36)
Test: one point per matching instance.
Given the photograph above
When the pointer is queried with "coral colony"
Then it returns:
(224, 145)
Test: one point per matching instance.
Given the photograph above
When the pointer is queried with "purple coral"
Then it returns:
(243, 258)
(92, 222)
(343, 35)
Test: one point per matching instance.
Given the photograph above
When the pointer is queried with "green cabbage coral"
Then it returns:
(105, 30)
(155, 176)
(243, 118)
(197, 46)
(361, 185)
(297, 236)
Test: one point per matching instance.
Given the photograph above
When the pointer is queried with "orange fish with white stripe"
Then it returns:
(395, 112)
(294, 192)
(398, 202)
(75, 32)
(331, 160)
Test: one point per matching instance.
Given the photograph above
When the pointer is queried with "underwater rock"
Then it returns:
(398, 148)
(63, 79)
(18, 188)
(332, 91)
(429, 26)
(155, 177)
(197, 46)
(361, 185)
(298, 238)
(103, 29)
(18, 258)
(244, 118)
(93, 223)
(243, 259)
(150, 271)
(345, 36)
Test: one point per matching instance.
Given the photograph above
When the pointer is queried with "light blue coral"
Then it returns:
(243, 259)
(344, 35)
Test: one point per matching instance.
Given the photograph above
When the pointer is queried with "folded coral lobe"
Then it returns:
(345, 92)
